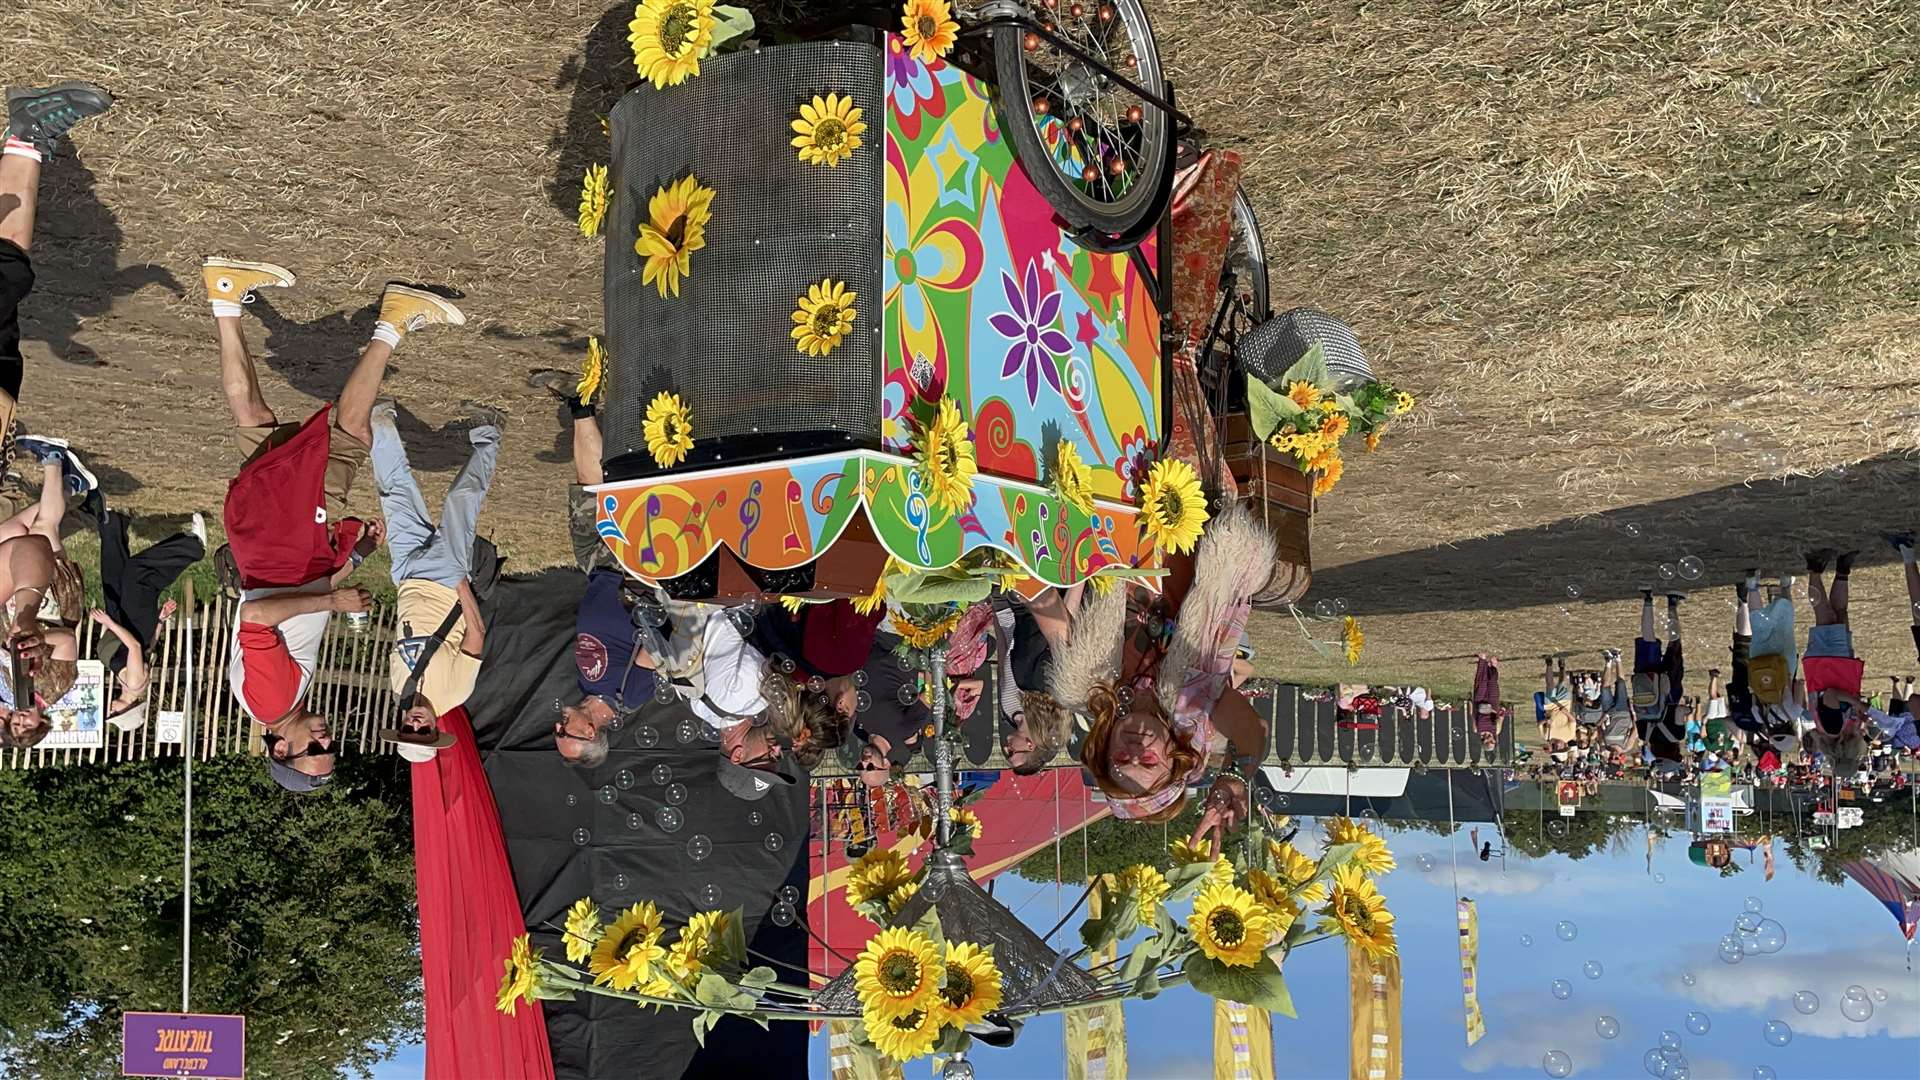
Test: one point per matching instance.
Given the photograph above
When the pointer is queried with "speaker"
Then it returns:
(778, 226)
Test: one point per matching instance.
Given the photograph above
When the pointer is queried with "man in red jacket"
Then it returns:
(289, 537)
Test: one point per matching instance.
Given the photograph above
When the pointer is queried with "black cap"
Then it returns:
(753, 784)
(294, 780)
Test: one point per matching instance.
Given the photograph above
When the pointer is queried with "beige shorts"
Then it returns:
(344, 457)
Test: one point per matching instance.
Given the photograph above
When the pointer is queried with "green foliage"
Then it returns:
(1885, 827)
(1111, 846)
(1267, 408)
(304, 916)
(1533, 834)
(1260, 985)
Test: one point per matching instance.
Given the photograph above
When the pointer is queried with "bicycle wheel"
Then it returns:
(1093, 147)
(1247, 260)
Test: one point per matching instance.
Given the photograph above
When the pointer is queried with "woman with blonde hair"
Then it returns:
(1153, 674)
(44, 593)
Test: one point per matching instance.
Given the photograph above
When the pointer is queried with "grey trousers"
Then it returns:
(421, 550)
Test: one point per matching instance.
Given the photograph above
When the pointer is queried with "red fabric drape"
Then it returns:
(469, 916)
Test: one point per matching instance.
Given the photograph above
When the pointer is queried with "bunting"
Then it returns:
(1242, 1042)
(1374, 1014)
(1097, 1036)
(846, 1062)
(1469, 917)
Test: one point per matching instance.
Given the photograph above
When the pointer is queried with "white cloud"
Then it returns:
(1531, 1024)
(1766, 985)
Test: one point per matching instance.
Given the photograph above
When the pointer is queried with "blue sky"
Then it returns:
(1645, 934)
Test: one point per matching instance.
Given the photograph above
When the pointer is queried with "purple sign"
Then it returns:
(172, 1044)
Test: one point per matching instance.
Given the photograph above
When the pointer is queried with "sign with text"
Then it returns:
(173, 1044)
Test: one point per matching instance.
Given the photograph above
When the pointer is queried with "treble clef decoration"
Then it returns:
(917, 514)
(749, 516)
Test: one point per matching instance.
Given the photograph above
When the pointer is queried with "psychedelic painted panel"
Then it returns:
(776, 516)
(987, 301)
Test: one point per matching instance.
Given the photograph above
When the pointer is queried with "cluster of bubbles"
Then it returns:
(1752, 935)
(1689, 568)
(1331, 608)
(1856, 1006)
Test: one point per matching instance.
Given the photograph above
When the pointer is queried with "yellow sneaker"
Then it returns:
(234, 281)
(405, 308)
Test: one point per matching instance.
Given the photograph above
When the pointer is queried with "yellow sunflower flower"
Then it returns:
(1373, 440)
(668, 37)
(1184, 852)
(675, 228)
(702, 944)
(928, 30)
(1359, 913)
(1372, 856)
(668, 429)
(624, 956)
(907, 1036)
(523, 965)
(945, 459)
(1172, 506)
(582, 929)
(1329, 476)
(899, 897)
(1072, 479)
(593, 200)
(897, 973)
(824, 317)
(1271, 892)
(827, 130)
(875, 875)
(593, 373)
(1229, 925)
(1334, 427)
(965, 820)
(1352, 639)
(870, 603)
(971, 988)
(1295, 871)
(1402, 403)
(1146, 885)
(1303, 393)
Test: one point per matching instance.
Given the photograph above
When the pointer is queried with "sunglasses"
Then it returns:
(313, 750)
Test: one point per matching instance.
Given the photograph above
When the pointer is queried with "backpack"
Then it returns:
(1650, 695)
(1767, 678)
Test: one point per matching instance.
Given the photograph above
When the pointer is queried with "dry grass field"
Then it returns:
(1653, 268)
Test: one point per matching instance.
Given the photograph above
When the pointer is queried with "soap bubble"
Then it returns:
(1654, 1062)
(1879, 996)
(1666, 571)
(699, 847)
(662, 774)
(1573, 592)
(624, 780)
(1565, 930)
(774, 842)
(1526, 941)
(582, 836)
(1765, 1072)
(1691, 568)
(1748, 921)
(607, 794)
(620, 881)
(1855, 991)
(1630, 529)
(669, 818)
(1592, 969)
(755, 818)
(635, 821)
(1669, 1040)
(789, 894)
(1806, 1002)
(1556, 1063)
(1777, 1033)
(647, 737)
(1323, 608)
(1772, 936)
(1688, 977)
(1753, 904)
(1749, 942)
(572, 800)
(1340, 605)
(1730, 950)
(676, 794)
(783, 914)
(1679, 1072)
(1659, 879)
(1698, 1023)
(1562, 989)
(1607, 1027)
(1426, 862)
(1857, 1009)
(710, 896)
(685, 732)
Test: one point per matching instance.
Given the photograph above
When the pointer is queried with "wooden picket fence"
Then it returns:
(349, 688)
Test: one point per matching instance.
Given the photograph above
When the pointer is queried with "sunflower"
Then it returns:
(593, 200)
(1324, 460)
(668, 429)
(583, 929)
(828, 129)
(897, 973)
(1334, 427)
(928, 29)
(624, 956)
(593, 373)
(1372, 856)
(945, 458)
(523, 966)
(1373, 440)
(1352, 639)
(898, 898)
(1173, 506)
(702, 944)
(1303, 445)
(1271, 892)
(668, 37)
(1184, 852)
(907, 1036)
(1359, 913)
(1402, 403)
(824, 317)
(875, 875)
(971, 988)
(870, 603)
(1072, 479)
(1145, 884)
(1303, 393)
(965, 820)
(1296, 872)
(675, 228)
(1329, 476)
(1229, 925)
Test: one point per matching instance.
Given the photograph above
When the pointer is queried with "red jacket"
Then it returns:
(276, 513)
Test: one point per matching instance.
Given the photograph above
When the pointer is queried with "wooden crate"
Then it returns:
(1281, 495)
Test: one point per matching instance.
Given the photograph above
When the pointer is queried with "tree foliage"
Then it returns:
(304, 917)
(1110, 845)
(1537, 835)
(1886, 827)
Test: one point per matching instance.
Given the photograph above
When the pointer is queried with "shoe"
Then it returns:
(199, 528)
(1674, 598)
(234, 281)
(1843, 563)
(41, 115)
(483, 415)
(1646, 593)
(94, 505)
(564, 385)
(80, 480)
(406, 309)
(1818, 559)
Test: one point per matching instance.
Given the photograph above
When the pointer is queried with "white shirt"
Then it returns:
(733, 670)
(302, 633)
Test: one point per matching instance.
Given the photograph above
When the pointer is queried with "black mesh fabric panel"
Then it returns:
(779, 226)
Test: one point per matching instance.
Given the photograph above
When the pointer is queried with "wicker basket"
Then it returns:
(1281, 495)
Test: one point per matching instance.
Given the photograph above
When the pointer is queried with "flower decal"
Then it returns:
(1029, 326)
(675, 228)
(828, 130)
(668, 37)
(593, 200)
(824, 317)
(668, 429)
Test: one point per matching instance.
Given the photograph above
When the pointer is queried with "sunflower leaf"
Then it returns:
(928, 924)
(1267, 408)
(728, 24)
(759, 978)
(1185, 879)
(702, 1022)
(1311, 368)
(1335, 857)
(1259, 985)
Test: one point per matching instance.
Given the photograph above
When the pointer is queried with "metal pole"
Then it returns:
(186, 854)
(942, 750)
